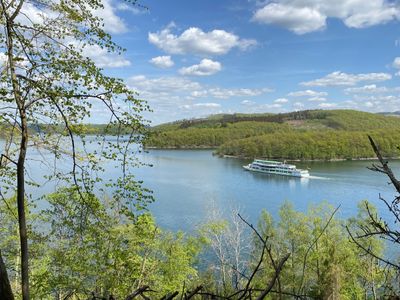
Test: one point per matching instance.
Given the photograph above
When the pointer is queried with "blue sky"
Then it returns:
(196, 58)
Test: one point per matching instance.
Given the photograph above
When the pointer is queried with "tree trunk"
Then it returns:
(5, 287)
(22, 153)
(21, 207)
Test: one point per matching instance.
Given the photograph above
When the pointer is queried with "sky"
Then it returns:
(196, 58)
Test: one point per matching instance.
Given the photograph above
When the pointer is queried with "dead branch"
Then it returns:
(193, 293)
(138, 292)
(369, 252)
(170, 296)
(275, 278)
(277, 267)
(384, 168)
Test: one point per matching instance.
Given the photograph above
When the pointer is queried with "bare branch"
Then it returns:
(384, 168)
(277, 267)
(6, 157)
(170, 296)
(275, 278)
(138, 292)
(193, 293)
(368, 251)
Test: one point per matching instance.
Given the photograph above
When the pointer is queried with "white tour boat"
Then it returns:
(276, 167)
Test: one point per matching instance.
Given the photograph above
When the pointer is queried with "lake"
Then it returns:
(188, 184)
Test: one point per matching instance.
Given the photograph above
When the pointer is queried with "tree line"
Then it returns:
(311, 145)
(108, 254)
(312, 134)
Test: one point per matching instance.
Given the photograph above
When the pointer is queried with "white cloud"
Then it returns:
(136, 10)
(270, 106)
(222, 93)
(247, 102)
(199, 94)
(3, 58)
(208, 105)
(308, 93)
(376, 102)
(195, 41)
(303, 16)
(163, 84)
(175, 85)
(378, 98)
(228, 93)
(204, 68)
(396, 63)
(379, 15)
(112, 22)
(327, 105)
(369, 104)
(297, 19)
(162, 61)
(344, 79)
(31, 13)
(371, 89)
(103, 58)
(201, 106)
(281, 100)
(317, 99)
(177, 97)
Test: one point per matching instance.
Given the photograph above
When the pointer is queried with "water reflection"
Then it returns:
(187, 182)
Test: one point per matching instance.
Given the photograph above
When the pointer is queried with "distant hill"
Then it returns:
(308, 134)
(395, 113)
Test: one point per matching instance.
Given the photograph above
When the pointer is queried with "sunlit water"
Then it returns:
(188, 184)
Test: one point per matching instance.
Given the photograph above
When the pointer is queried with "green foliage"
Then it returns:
(323, 263)
(211, 137)
(312, 134)
(310, 145)
(91, 247)
(10, 244)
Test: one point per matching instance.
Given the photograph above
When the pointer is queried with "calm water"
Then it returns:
(187, 184)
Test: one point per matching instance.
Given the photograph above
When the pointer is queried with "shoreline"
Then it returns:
(275, 158)
(181, 148)
(313, 160)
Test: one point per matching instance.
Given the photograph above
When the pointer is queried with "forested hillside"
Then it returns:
(312, 134)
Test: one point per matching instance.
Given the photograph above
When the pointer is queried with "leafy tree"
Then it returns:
(113, 256)
(324, 263)
(46, 78)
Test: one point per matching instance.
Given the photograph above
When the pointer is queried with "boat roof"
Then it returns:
(268, 161)
(274, 162)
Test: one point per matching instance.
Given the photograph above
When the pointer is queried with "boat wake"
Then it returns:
(318, 177)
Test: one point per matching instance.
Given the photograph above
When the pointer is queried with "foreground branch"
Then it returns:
(384, 167)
